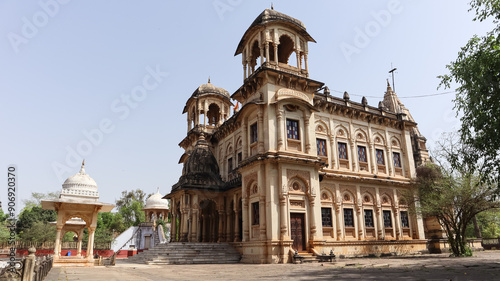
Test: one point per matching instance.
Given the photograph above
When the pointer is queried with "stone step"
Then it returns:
(189, 253)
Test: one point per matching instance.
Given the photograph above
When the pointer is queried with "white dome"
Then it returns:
(155, 201)
(80, 187)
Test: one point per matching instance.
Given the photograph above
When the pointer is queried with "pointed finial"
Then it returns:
(346, 96)
(208, 79)
(82, 169)
(158, 190)
(364, 102)
(272, 8)
(388, 84)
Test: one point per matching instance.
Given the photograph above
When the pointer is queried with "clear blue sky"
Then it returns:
(68, 68)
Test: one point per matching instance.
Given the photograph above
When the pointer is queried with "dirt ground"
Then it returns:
(482, 266)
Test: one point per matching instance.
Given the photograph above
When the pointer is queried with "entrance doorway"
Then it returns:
(297, 231)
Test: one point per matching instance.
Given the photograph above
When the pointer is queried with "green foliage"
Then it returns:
(29, 217)
(489, 224)
(39, 232)
(130, 207)
(37, 197)
(477, 72)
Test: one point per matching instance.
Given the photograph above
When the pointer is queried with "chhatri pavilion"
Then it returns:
(77, 209)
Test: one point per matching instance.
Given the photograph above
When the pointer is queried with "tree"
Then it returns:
(37, 197)
(477, 71)
(454, 194)
(489, 224)
(130, 207)
(29, 217)
(39, 232)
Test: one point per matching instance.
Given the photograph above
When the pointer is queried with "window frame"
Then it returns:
(255, 213)
(372, 218)
(380, 157)
(407, 219)
(318, 141)
(292, 136)
(339, 144)
(351, 211)
(323, 217)
(399, 160)
(254, 133)
(365, 155)
(389, 217)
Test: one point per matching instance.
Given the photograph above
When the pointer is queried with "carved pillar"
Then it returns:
(361, 224)
(283, 218)
(306, 133)
(353, 153)
(260, 127)
(57, 247)
(245, 219)
(297, 52)
(390, 160)
(338, 217)
(228, 227)
(333, 152)
(184, 219)
(275, 53)
(261, 54)
(244, 139)
(79, 246)
(267, 51)
(397, 219)
(262, 217)
(279, 127)
(221, 226)
(305, 62)
(203, 228)
(313, 217)
(380, 225)
(194, 227)
(373, 158)
(90, 244)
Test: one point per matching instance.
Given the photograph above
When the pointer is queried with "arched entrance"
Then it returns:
(209, 221)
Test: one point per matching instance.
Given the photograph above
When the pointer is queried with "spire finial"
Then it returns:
(158, 189)
(272, 8)
(82, 169)
(208, 79)
(388, 84)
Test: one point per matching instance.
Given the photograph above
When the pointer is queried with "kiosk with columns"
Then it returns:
(77, 209)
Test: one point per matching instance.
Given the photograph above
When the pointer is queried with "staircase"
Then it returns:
(188, 253)
(308, 257)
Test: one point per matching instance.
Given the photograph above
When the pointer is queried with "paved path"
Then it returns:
(483, 266)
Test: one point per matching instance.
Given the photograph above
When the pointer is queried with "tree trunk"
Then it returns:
(477, 230)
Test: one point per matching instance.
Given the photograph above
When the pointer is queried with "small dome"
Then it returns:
(156, 201)
(209, 88)
(80, 186)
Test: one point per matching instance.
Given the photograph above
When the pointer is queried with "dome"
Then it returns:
(80, 186)
(269, 16)
(156, 201)
(201, 170)
(209, 88)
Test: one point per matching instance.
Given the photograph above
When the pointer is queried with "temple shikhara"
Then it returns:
(293, 168)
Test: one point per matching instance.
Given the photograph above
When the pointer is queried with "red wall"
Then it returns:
(102, 253)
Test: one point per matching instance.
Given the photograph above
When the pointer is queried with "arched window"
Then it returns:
(285, 49)
(213, 114)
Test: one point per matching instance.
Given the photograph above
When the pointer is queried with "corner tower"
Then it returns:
(274, 40)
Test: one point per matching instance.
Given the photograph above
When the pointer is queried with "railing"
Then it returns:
(491, 243)
(30, 268)
(50, 245)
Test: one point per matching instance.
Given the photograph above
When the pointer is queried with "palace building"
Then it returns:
(295, 168)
